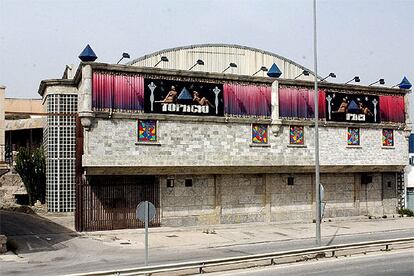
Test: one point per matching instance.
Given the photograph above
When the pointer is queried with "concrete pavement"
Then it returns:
(240, 234)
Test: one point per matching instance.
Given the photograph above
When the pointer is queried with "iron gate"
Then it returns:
(109, 202)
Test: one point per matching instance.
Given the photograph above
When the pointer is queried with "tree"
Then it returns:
(31, 166)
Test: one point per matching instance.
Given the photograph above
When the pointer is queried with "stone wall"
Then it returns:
(242, 198)
(10, 184)
(213, 143)
(193, 205)
(291, 202)
(225, 199)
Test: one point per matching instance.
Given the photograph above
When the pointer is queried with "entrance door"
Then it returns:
(109, 202)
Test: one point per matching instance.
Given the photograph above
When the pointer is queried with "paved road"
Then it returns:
(81, 254)
(47, 248)
(386, 263)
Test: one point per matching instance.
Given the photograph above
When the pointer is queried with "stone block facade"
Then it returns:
(214, 199)
(217, 143)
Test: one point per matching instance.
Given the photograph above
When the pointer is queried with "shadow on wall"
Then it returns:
(31, 233)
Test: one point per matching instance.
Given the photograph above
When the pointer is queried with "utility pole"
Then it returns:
(317, 180)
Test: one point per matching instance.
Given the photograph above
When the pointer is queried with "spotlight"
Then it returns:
(263, 68)
(356, 79)
(304, 72)
(332, 75)
(233, 65)
(198, 62)
(163, 58)
(124, 55)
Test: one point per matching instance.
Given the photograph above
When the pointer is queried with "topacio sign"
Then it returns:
(352, 108)
(179, 97)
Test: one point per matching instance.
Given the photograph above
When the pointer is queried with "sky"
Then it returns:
(369, 38)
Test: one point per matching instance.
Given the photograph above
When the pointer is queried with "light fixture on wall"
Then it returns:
(231, 65)
(198, 62)
(356, 79)
(124, 55)
(304, 73)
(163, 58)
(380, 81)
(332, 75)
(263, 68)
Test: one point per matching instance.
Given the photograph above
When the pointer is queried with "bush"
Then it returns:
(31, 166)
(405, 211)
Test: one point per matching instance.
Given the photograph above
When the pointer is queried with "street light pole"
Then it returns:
(317, 180)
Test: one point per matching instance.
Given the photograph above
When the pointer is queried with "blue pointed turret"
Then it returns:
(274, 71)
(405, 84)
(88, 54)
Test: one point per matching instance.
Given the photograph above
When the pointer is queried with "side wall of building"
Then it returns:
(214, 199)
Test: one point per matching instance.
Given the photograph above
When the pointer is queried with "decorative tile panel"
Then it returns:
(387, 137)
(259, 134)
(354, 136)
(296, 135)
(147, 131)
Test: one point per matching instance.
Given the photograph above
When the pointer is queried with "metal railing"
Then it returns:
(317, 252)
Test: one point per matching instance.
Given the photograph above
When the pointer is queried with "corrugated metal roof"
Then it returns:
(139, 61)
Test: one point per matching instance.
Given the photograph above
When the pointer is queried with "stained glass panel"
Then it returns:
(147, 130)
(296, 135)
(387, 137)
(353, 136)
(259, 134)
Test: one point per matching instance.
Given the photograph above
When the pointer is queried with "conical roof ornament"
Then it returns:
(274, 71)
(88, 54)
(405, 84)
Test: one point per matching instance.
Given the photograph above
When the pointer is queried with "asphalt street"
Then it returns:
(399, 263)
(47, 248)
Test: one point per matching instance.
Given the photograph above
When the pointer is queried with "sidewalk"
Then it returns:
(234, 234)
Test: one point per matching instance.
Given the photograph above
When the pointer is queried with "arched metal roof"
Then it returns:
(217, 45)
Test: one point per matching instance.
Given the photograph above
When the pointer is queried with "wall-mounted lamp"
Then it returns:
(263, 68)
(304, 73)
(380, 81)
(198, 62)
(163, 58)
(124, 55)
(356, 79)
(232, 65)
(332, 75)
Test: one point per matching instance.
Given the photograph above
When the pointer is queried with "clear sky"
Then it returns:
(370, 38)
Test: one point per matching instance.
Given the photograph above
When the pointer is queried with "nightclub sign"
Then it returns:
(343, 107)
(186, 98)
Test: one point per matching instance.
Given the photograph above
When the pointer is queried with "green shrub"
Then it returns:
(31, 166)
(405, 211)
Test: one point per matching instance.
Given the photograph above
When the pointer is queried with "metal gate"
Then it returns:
(109, 202)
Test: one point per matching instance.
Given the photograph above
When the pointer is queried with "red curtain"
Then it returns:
(247, 100)
(120, 92)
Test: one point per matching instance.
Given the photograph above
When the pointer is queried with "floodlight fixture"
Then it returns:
(198, 62)
(263, 68)
(304, 73)
(356, 79)
(332, 75)
(380, 81)
(124, 55)
(163, 58)
(232, 65)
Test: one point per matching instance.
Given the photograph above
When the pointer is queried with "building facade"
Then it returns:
(209, 148)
